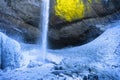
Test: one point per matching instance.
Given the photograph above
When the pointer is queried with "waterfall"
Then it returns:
(44, 25)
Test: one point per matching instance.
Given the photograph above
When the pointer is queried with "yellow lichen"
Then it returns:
(70, 9)
(96, 1)
(90, 1)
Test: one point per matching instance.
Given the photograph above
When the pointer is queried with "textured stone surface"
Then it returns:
(29, 10)
(18, 29)
(24, 15)
(90, 8)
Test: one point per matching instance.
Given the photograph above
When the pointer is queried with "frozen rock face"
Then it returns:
(9, 53)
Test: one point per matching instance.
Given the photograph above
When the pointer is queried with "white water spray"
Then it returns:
(44, 24)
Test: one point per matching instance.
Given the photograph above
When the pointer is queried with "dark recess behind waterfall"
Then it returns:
(84, 38)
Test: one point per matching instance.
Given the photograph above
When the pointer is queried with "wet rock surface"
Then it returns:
(79, 32)
(21, 18)
(72, 36)
(18, 29)
(90, 9)
(29, 10)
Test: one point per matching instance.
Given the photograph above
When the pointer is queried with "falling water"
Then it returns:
(44, 24)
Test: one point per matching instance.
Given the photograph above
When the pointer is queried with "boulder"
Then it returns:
(9, 53)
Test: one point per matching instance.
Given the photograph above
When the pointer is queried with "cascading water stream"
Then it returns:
(44, 25)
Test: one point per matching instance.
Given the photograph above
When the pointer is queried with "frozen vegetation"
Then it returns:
(9, 53)
(97, 60)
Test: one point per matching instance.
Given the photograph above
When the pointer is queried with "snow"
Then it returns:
(95, 60)
(35, 73)
(34, 58)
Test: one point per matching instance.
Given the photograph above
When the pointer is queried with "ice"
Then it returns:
(98, 59)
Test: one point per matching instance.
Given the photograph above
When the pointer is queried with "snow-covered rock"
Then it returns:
(101, 56)
(34, 57)
(102, 47)
(97, 60)
(9, 52)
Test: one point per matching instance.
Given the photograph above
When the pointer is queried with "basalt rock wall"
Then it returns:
(71, 21)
